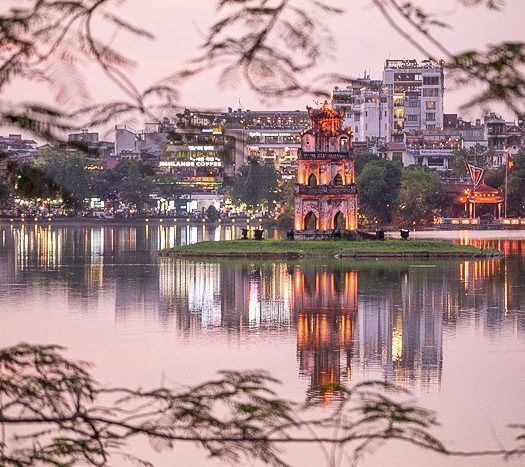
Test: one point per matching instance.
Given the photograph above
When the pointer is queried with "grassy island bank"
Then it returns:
(283, 249)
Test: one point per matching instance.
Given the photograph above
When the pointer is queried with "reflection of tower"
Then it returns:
(326, 195)
(325, 306)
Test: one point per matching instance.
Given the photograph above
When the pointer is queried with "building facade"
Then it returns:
(365, 104)
(414, 95)
(325, 193)
(432, 148)
(269, 136)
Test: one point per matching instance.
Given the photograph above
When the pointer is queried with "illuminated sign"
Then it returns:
(201, 148)
(195, 162)
(258, 133)
(215, 131)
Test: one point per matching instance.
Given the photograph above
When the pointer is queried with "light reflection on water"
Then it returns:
(102, 291)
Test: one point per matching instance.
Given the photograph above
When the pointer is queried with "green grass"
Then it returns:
(305, 248)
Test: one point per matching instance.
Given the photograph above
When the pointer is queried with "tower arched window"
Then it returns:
(312, 180)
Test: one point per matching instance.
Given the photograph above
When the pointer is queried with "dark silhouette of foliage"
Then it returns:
(267, 44)
(256, 183)
(516, 187)
(378, 185)
(68, 418)
(420, 195)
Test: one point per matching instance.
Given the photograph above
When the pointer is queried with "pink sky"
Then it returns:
(364, 41)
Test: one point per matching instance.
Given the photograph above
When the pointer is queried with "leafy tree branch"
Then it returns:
(66, 417)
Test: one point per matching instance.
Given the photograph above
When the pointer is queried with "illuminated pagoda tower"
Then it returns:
(325, 193)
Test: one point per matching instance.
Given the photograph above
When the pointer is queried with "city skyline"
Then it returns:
(362, 47)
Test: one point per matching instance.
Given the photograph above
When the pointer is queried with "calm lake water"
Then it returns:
(453, 332)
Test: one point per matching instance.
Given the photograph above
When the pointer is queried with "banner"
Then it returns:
(510, 162)
(476, 173)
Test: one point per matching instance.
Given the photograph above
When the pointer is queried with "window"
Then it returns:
(413, 104)
(411, 118)
(357, 129)
(436, 162)
(406, 77)
(430, 105)
(430, 80)
(430, 117)
(356, 117)
(431, 127)
(430, 92)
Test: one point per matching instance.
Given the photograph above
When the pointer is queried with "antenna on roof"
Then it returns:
(240, 105)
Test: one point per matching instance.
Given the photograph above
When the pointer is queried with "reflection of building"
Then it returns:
(388, 324)
(399, 332)
(325, 304)
(202, 296)
(325, 193)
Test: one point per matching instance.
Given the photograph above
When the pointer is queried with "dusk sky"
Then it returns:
(364, 41)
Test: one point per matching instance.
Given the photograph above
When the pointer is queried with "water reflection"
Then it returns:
(347, 320)
(325, 310)
(373, 318)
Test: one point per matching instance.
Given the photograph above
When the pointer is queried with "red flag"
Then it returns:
(510, 162)
(476, 173)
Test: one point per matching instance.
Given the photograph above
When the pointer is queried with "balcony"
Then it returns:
(324, 156)
(326, 190)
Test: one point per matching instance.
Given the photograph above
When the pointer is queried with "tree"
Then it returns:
(361, 159)
(268, 45)
(477, 155)
(419, 196)
(516, 187)
(105, 184)
(211, 213)
(5, 194)
(29, 181)
(256, 183)
(70, 419)
(136, 189)
(378, 186)
(286, 205)
(495, 177)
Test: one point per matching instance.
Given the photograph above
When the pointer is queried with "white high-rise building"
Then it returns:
(415, 95)
(365, 104)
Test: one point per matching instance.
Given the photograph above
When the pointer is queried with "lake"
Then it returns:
(451, 331)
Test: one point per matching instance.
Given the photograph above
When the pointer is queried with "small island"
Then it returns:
(296, 249)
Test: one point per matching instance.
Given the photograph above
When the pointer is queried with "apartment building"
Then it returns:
(365, 103)
(414, 96)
